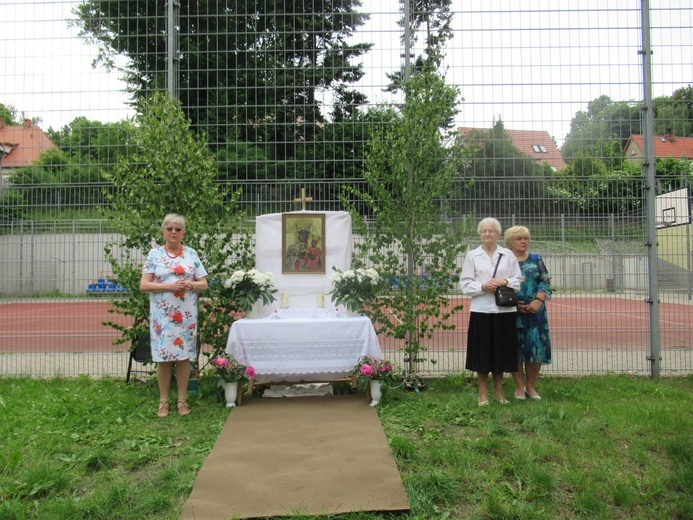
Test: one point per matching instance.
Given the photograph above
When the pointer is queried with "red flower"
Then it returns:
(179, 294)
(178, 342)
(178, 270)
(177, 317)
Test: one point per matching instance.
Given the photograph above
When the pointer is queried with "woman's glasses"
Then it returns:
(171, 228)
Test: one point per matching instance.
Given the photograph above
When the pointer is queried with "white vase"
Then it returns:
(349, 313)
(252, 313)
(376, 392)
(230, 393)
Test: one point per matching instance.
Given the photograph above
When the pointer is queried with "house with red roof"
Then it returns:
(21, 145)
(667, 145)
(536, 144)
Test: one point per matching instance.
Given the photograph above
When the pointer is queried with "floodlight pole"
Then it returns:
(650, 191)
(405, 80)
(172, 47)
(407, 43)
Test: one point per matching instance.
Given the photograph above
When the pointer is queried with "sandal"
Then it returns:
(164, 409)
(183, 408)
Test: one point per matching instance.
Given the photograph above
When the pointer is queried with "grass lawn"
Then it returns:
(593, 447)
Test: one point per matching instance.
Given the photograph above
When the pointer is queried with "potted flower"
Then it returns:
(374, 371)
(354, 288)
(231, 373)
(251, 286)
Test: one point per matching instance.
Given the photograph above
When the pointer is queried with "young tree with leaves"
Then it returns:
(410, 172)
(171, 171)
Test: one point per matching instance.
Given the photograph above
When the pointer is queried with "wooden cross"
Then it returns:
(303, 199)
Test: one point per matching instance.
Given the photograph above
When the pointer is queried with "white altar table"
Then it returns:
(302, 345)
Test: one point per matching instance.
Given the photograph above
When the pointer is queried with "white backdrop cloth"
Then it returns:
(302, 288)
(302, 345)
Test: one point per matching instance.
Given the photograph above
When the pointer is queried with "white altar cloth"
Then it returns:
(302, 345)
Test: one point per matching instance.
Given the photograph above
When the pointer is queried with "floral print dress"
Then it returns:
(173, 316)
(533, 329)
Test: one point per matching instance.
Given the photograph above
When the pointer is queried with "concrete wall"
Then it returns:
(36, 264)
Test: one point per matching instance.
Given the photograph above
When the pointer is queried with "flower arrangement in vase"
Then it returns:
(230, 370)
(374, 371)
(231, 373)
(251, 286)
(354, 288)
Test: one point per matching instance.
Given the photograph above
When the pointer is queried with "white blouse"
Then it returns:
(478, 269)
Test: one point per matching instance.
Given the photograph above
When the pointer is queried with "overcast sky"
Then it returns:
(534, 63)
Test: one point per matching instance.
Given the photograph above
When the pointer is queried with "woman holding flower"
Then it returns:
(173, 275)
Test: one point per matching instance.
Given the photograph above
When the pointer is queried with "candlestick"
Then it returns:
(285, 300)
(321, 300)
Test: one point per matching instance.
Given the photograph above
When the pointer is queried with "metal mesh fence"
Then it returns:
(288, 96)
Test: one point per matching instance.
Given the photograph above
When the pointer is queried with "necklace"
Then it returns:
(176, 255)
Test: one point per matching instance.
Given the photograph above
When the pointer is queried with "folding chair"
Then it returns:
(141, 352)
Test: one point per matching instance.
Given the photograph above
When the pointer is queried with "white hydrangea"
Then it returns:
(263, 280)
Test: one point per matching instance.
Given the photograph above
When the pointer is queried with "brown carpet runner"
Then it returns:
(300, 455)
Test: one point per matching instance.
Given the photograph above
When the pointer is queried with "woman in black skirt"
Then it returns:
(492, 338)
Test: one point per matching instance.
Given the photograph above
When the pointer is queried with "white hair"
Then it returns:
(173, 218)
(489, 221)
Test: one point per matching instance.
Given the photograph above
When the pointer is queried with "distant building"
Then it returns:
(536, 144)
(21, 145)
(667, 145)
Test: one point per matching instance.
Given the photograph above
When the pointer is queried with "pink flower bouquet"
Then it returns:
(373, 369)
(230, 370)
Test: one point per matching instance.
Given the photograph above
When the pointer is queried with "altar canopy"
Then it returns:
(302, 289)
(300, 336)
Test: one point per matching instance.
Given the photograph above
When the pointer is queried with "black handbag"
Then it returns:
(505, 296)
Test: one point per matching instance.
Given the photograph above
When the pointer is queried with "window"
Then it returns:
(539, 148)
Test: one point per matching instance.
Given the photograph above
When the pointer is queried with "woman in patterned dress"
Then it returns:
(173, 275)
(532, 320)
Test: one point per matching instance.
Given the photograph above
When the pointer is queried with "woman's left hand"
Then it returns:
(534, 307)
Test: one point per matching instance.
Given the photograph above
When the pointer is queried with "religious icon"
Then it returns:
(303, 243)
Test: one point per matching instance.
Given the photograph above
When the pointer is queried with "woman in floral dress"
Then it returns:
(173, 275)
(532, 320)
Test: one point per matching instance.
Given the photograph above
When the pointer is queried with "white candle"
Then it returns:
(285, 300)
(321, 300)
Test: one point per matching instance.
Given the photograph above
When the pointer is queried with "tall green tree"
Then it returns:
(308, 51)
(172, 171)
(429, 28)
(8, 114)
(410, 167)
(93, 142)
(615, 121)
(57, 181)
(252, 67)
(675, 113)
(603, 120)
(502, 180)
(587, 186)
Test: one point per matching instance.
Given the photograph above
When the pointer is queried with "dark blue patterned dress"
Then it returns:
(533, 329)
